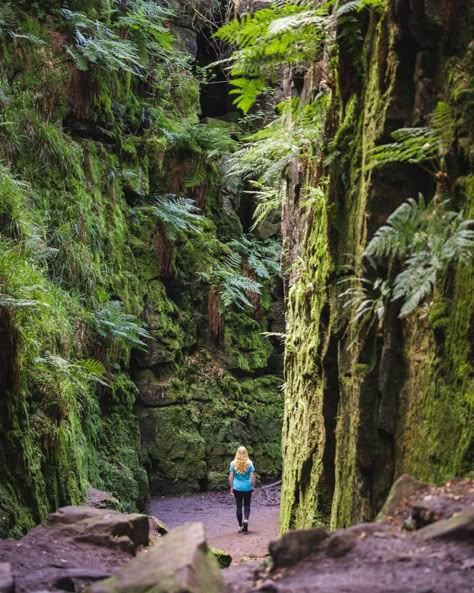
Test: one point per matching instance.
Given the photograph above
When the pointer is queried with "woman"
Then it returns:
(242, 483)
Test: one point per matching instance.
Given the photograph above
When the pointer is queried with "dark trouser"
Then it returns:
(242, 497)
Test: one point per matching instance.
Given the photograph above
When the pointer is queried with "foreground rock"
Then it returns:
(179, 563)
(76, 547)
(102, 527)
(378, 557)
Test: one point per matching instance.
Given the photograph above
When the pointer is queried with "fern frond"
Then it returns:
(92, 366)
(426, 239)
(395, 238)
(28, 37)
(412, 145)
(177, 214)
(112, 321)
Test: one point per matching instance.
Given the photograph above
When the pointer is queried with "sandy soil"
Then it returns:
(216, 511)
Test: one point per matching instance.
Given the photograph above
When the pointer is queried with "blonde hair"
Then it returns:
(241, 460)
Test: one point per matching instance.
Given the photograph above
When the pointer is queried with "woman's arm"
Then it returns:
(231, 483)
(252, 477)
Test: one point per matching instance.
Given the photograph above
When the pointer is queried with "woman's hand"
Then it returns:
(232, 492)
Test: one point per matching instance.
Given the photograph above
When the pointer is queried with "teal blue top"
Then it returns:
(242, 482)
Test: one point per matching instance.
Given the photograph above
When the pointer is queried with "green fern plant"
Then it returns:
(419, 145)
(96, 44)
(357, 6)
(232, 286)
(265, 40)
(285, 34)
(178, 215)
(425, 238)
(296, 134)
(269, 199)
(262, 257)
(112, 322)
(366, 300)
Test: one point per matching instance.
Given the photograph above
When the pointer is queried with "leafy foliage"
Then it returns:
(418, 145)
(97, 44)
(112, 321)
(234, 286)
(262, 257)
(244, 270)
(296, 134)
(426, 238)
(282, 34)
(269, 200)
(178, 215)
(287, 33)
(367, 300)
(213, 139)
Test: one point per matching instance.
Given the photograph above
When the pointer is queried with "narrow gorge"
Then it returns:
(235, 222)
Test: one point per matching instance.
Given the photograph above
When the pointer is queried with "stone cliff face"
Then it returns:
(99, 113)
(360, 409)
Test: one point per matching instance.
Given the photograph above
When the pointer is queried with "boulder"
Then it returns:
(402, 488)
(179, 563)
(6, 578)
(102, 527)
(459, 526)
(296, 545)
(340, 544)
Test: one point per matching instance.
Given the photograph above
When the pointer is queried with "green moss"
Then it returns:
(245, 346)
(83, 150)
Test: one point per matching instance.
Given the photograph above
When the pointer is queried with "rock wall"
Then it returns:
(359, 411)
(86, 141)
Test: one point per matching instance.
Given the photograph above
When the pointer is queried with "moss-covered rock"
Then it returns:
(363, 406)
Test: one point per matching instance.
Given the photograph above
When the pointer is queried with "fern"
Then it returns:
(266, 39)
(262, 257)
(367, 301)
(397, 236)
(418, 145)
(212, 139)
(269, 200)
(92, 366)
(234, 287)
(247, 90)
(178, 215)
(358, 5)
(80, 373)
(96, 44)
(13, 303)
(28, 37)
(112, 322)
(426, 238)
(285, 34)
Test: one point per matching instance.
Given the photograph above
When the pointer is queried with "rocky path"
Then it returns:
(425, 544)
(217, 512)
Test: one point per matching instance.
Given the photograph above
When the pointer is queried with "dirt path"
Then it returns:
(217, 512)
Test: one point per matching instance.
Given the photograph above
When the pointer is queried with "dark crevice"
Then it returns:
(331, 397)
(215, 100)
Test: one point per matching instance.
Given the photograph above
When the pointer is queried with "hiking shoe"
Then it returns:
(240, 529)
(245, 527)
